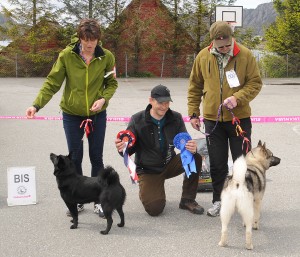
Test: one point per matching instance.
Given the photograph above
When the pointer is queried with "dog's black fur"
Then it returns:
(105, 189)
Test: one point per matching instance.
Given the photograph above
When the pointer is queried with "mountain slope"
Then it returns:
(259, 18)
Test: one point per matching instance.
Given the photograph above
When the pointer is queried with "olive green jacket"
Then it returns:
(205, 84)
(84, 84)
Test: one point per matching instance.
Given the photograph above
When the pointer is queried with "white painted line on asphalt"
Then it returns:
(296, 129)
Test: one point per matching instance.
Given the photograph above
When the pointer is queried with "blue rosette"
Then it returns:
(187, 158)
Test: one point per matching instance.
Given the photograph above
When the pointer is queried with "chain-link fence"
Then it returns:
(159, 65)
(26, 65)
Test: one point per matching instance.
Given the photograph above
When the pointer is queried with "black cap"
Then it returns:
(161, 94)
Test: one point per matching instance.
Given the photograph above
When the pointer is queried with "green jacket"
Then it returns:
(84, 84)
(205, 82)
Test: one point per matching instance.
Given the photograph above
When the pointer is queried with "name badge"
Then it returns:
(232, 78)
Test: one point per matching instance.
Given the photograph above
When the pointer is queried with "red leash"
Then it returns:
(88, 126)
(239, 131)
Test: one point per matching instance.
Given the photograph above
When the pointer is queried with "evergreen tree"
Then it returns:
(106, 12)
(283, 36)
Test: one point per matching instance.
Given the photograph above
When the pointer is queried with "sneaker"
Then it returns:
(98, 209)
(214, 211)
(80, 208)
(191, 205)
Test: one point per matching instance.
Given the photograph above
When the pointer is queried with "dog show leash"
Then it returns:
(88, 126)
(238, 129)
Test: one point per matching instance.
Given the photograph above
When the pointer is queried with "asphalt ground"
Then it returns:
(43, 229)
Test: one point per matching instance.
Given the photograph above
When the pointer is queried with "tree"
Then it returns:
(30, 26)
(106, 12)
(196, 16)
(247, 39)
(283, 36)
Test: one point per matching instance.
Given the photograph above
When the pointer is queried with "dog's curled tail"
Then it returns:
(109, 175)
(239, 170)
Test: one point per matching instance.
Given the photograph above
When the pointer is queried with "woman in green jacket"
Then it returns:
(88, 71)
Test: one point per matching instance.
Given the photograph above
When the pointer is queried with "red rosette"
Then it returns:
(127, 136)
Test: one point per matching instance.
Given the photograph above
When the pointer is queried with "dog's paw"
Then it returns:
(255, 226)
(249, 246)
(121, 224)
(222, 244)
(73, 226)
(104, 232)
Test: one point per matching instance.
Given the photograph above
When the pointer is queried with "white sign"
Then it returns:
(21, 186)
(232, 79)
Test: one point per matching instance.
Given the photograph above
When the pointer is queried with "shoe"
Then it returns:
(191, 205)
(98, 209)
(214, 211)
(80, 208)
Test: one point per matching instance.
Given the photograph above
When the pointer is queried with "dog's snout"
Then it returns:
(52, 156)
(275, 161)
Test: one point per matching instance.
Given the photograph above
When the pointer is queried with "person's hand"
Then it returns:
(97, 106)
(120, 145)
(30, 112)
(191, 146)
(230, 102)
(195, 122)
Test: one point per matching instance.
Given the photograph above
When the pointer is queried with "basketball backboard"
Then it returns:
(231, 14)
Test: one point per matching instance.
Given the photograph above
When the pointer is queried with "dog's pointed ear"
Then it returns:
(259, 143)
(70, 155)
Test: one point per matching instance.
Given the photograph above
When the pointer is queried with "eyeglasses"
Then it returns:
(221, 47)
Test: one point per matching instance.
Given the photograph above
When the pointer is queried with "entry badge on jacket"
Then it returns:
(232, 78)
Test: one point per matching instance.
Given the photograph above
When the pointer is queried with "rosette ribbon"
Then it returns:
(128, 137)
(187, 158)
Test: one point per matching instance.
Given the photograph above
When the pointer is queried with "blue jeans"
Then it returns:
(75, 135)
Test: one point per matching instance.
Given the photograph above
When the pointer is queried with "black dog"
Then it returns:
(76, 189)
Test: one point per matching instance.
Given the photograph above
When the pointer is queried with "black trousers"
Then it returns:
(218, 143)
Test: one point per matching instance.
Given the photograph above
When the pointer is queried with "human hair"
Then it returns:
(89, 29)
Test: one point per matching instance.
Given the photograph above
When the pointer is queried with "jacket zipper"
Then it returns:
(221, 90)
(86, 90)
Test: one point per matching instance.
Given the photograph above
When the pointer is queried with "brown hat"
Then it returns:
(220, 30)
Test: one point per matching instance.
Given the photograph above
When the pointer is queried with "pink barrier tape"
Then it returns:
(254, 119)
(265, 119)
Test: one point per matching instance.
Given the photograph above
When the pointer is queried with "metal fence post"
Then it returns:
(162, 65)
(287, 65)
(16, 65)
(126, 62)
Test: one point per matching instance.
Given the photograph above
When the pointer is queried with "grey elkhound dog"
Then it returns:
(244, 190)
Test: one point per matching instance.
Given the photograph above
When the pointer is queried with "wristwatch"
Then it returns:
(194, 116)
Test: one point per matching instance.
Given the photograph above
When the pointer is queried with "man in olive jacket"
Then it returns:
(224, 73)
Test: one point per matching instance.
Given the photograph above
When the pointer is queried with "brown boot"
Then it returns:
(191, 205)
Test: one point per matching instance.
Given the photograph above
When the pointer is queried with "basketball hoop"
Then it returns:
(233, 15)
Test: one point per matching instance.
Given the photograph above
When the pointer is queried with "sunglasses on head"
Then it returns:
(221, 47)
